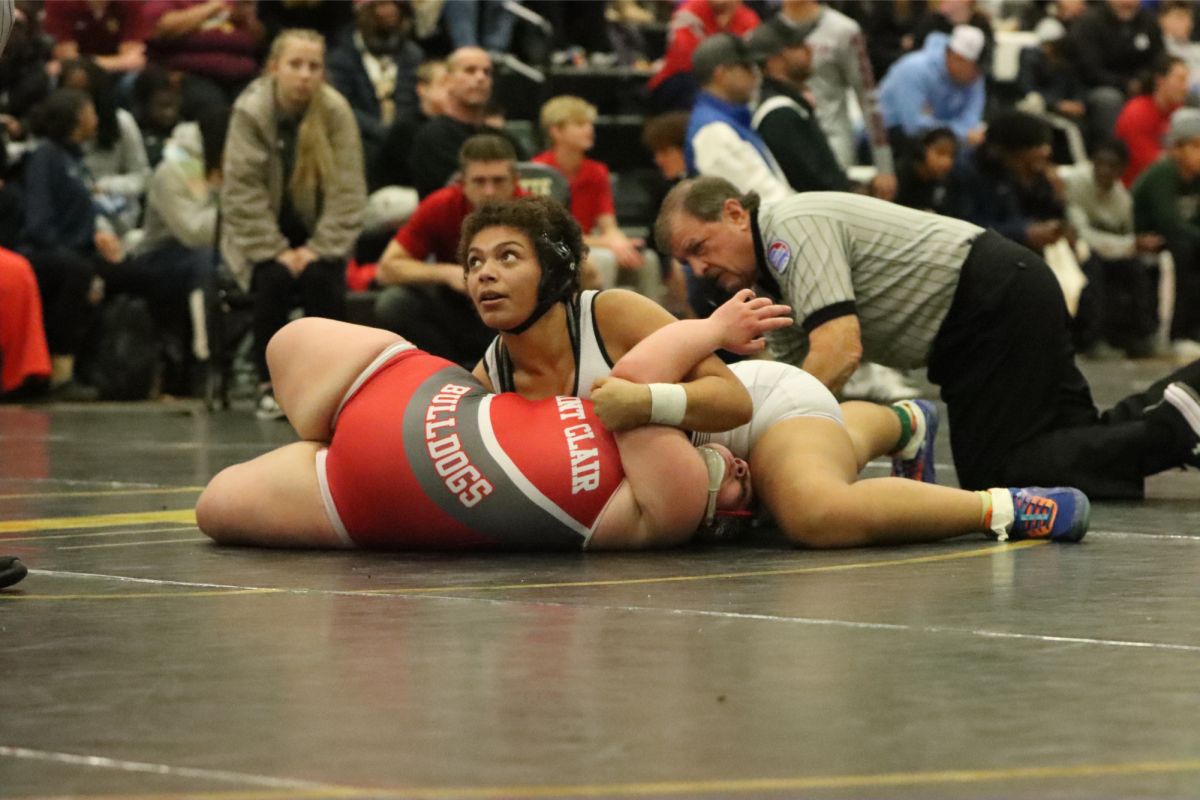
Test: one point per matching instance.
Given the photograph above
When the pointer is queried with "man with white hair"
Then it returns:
(939, 86)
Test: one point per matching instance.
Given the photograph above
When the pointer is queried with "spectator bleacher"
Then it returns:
(614, 55)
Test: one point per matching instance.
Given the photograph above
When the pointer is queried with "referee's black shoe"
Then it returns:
(1180, 408)
(11, 571)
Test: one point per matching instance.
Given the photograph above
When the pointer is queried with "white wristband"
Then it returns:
(668, 403)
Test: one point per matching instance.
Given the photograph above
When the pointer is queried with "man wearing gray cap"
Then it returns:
(720, 139)
(1166, 201)
(785, 119)
(939, 86)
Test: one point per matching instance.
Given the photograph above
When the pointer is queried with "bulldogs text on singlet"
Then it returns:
(445, 448)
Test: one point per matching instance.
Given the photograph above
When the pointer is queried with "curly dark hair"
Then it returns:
(56, 117)
(544, 220)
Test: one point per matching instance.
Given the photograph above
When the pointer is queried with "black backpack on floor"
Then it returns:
(123, 356)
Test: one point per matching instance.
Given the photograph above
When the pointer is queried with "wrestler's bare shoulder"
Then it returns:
(625, 318)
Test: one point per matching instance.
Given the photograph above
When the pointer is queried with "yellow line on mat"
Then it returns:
(102, 493)
(565, 584)
(186, 516)
(129, 532)
(713, 576)
(752, 785)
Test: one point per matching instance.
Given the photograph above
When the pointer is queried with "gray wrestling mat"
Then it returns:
(138, 660)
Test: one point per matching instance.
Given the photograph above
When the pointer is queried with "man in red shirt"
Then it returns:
(1144, 120)
(569, 122)
(673, 88)
(425, 298)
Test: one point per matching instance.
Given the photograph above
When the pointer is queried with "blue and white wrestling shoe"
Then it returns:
(1060, 514)
(915, 461)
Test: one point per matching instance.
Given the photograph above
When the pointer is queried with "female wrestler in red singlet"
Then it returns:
(405, 450)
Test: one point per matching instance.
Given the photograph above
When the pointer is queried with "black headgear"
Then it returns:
(560, 279)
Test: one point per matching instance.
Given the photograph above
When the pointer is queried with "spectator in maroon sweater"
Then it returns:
(112, 32)
(215, 43)
(1145, 118)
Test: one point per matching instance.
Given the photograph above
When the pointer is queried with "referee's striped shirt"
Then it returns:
(835, 253)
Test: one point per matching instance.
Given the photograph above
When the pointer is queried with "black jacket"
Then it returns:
(344, 65)
(794, 137)
(1111, 52)
(58, 200)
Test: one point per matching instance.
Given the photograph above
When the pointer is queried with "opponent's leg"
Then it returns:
(271, 501)
(906, 431)
(874, 430)
(313, 363)
(805, 471)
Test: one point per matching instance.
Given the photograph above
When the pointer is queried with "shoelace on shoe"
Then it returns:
(1035, 515)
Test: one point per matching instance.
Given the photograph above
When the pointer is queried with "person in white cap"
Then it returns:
(938, 86)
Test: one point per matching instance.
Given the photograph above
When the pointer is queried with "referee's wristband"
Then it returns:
(668, 404)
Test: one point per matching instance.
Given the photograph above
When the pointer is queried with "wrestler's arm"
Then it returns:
(671, 351)
(717, 401)
(738, 325)
(662, 500)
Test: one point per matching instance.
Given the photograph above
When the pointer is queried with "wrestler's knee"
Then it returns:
(289, 340)
(216, 510)
(819, 521)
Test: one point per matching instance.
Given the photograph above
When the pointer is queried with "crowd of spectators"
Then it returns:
(158, 149)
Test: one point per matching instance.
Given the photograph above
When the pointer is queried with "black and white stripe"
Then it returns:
(898, 267)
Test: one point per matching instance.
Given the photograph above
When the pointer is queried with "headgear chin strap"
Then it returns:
(560, 276)
(716, 474)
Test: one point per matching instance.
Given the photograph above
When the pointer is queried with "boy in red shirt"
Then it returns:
(569, 122)
(424, 298)
(1144, 120)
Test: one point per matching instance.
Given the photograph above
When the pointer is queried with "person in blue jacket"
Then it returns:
(939, 86)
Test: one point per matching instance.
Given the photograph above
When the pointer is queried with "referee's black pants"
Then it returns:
(1020, 411)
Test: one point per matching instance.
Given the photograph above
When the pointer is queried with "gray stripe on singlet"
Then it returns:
(507, 514)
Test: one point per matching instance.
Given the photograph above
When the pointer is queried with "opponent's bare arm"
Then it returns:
(737, 326)
(717, 401)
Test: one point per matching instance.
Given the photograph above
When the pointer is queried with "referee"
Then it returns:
(871, 280)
